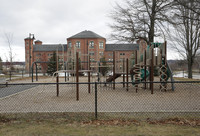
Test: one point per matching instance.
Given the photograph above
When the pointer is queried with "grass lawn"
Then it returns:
(73, 125)
(79, 129)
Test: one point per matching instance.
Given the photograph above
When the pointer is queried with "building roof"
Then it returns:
(49, 47)
(121, 47)
(28, 38)
(85, 34)
(38, 41)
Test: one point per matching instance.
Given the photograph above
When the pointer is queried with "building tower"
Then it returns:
(29, 52)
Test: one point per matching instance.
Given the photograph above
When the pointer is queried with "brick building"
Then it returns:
(85, 42)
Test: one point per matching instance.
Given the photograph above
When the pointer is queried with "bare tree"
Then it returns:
(9, 40)
(187, 33)
(140, 19)
(195, 9)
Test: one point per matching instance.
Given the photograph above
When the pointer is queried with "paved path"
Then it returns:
(6, 91)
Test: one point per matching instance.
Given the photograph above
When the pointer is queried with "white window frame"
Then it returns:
(92, 59)
(101, 45)
(91, 53)
(110, 59)
(91, 44)
(101, 53)
(78, 44)
(69, 44)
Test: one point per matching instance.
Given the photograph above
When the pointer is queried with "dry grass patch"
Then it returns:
(81, 125)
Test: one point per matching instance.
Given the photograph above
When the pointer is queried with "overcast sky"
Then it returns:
(51, 21)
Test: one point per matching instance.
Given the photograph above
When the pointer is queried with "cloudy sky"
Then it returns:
(51, 21)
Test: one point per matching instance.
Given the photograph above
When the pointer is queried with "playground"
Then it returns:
(145, 63)
(130, 87)
(43, 98)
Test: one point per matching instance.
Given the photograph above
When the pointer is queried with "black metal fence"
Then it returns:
(102, 101)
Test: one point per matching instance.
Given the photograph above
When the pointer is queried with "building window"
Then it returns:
(110, 59)
(110, 54)
(38, 59)
(91, 59)
(100, 45)
(60, 59)
(78, 44)
(101, 53)
(91, 53)
(69, 45)
(38, 54)
(91, 44)
(122, 54)
(39, 67)
(27, 43)
(50, 54)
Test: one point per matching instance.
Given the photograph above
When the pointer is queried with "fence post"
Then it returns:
(96, 100)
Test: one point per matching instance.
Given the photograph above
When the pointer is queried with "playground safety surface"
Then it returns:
(42, 98)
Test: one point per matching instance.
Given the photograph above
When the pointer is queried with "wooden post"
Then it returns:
(114, 70)
(89, 75)
(161, 69)
(166, 64)
(123, 72)
(145, 69)
(127, 74)
(57, 76)
(136, 76)
(36, 71)
(10, 75)
(57, 85)
(152, 70)
(77, 77)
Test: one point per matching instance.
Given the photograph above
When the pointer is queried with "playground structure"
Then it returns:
(148, 59)
(143, 66)
(140, 68)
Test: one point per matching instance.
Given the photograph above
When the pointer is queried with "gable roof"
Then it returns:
(49, 47)
(85, 34)
(121, 47)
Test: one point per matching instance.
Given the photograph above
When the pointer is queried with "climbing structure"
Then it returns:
(147, 59)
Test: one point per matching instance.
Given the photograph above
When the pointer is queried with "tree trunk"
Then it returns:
(152, 22)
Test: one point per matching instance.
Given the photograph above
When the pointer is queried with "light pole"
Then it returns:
(31, 37)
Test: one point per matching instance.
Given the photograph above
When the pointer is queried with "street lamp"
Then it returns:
(31, 37)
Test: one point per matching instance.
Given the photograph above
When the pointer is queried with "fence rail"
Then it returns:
(103, 100)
